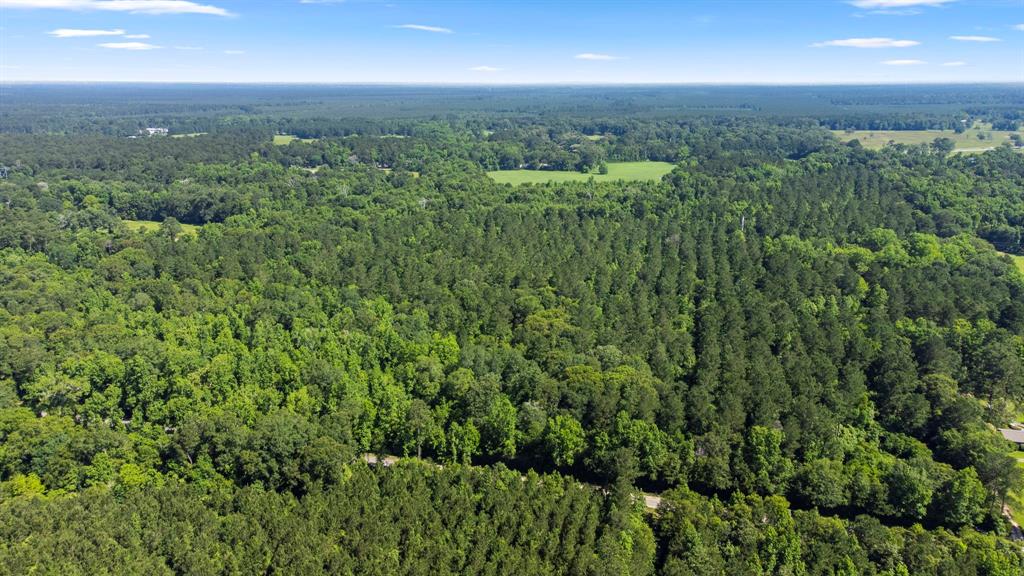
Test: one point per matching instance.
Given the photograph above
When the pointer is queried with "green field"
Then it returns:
(966, 141)
(616, 171)
(285, 139)
(151, 226)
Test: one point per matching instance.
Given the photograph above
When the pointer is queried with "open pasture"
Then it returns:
(966, 142)
(285, 139)
(635, 171)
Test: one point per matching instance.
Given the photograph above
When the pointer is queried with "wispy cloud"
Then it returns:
(955, 63)
(868, 43)
(424, 28)
(975, 39)
(80, 33)
(133, 6)
(1019, 27)
(188, 47)
(593, 56)
(137, 36)
(128, 46)
(884, 4)
(904, 62)
(321, 1)
(485, 69)
(234, 52)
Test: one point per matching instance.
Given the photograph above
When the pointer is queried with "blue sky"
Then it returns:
(753, 41)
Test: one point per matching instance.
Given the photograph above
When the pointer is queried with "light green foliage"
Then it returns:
(961, 499)
(24, 485)
(910, 490)
(564, 439)
(768, 471)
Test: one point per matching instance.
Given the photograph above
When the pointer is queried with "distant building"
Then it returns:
(1015, 436)
(154, 131)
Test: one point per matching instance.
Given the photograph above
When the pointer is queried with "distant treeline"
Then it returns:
(121, 109)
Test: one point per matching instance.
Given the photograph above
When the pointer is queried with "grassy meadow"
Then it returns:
(966, 141)
(285, 139)
(151, 226)
(616, 171)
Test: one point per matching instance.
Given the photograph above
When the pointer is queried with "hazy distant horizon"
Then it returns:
(507, 85)
(733, 42)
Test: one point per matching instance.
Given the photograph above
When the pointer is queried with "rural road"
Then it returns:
(651, 501)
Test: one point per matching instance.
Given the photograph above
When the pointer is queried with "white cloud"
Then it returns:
(133, 6)
(234, 52)
(137, 36)
(975, 39)
(868, 43)
(435, 29)
(955, 63)
(128, 46)
(1019, 27)
(484, 69)
(80, 33)
(904, 62)
(883, 4)
(592, 56)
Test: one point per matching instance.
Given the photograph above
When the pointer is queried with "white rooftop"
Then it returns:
(1013, 435)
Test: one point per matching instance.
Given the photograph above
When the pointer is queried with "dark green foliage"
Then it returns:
(405, 519)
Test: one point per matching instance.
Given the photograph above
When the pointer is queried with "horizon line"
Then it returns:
(510, 84)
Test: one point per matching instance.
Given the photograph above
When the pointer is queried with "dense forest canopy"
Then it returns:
(805, 347)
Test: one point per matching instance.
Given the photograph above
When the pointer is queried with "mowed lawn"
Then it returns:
(151, 226)
(966, 141)
(285, 139)
(616, 171)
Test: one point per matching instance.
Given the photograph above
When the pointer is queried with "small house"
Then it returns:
(1015, 436)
